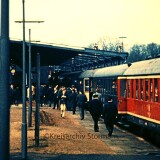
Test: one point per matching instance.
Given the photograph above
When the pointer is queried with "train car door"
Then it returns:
(86, 89)
(122, 100)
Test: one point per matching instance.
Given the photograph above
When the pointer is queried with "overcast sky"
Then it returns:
(82, 22)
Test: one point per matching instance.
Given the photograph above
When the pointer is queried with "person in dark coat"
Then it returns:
(68, 92)
(72, 100)
(81, 101)
(96, 109)
(55, 97)
(50, 95)
(110, 113)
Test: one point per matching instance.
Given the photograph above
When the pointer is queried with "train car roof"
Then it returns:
(71, 74)
(87, 73)
(144, 67)
(111, 71)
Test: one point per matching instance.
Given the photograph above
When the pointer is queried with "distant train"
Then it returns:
(134, 87)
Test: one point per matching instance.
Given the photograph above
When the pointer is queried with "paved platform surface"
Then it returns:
(125, 145)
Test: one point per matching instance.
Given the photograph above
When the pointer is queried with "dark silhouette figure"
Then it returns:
(96, 109)
(81, 102)
(110, 112)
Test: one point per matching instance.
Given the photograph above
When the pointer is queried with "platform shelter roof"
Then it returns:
(64, 57)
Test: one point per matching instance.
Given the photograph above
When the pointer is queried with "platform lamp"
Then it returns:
(29, 79)
(24, 121)
(122, 48)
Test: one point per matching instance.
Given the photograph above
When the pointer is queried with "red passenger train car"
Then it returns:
(134, 87)
(139, 94)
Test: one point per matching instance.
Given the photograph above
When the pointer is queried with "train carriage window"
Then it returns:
(86, 84)
(147, 89)
(136, 88)
(123, 88)
(141, 84)
(94, 84)
(114, 86)
(109, 86)
(151, 91)
(131, 88)
(156, 90)
(128, 88)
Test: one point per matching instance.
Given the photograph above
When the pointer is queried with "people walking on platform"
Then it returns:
(72, 100)
(41, 95)
(68, 92)
(32, 93)
(97, 93)
(55, 97)
(110, 112)
(17, 96)
(12, 95)
(63, 100)
(81, 101)
(96, 109)
(50, 95)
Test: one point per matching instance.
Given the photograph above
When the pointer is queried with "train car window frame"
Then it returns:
(128, 88)
(153, 90)
(144, 89)
(149, 89)
(139, 89)
(131, 88)
(86, 84)
(114, 86)
(123, 88)
(134, 88)
(158, 88)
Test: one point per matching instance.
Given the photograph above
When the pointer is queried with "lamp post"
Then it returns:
(122, 49)
(30, 84)
(30, 81)
(24, 124)
(4, 80)
(24, 121)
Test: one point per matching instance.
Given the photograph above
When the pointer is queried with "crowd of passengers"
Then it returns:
(68, 99)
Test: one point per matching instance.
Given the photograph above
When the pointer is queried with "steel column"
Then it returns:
(30, 84)
(4, 80)
(37, 114)
(24, 121)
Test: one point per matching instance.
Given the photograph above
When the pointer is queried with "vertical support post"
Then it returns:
(37, 114)
(30, 84)
(24, 124)
(4, 80)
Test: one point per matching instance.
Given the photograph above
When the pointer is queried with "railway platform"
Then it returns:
(72, 138)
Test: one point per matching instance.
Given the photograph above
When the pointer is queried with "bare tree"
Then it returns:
(107, 44)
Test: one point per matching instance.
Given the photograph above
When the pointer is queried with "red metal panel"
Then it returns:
(159, 90)
(155, 111)
(144, 89)
(134, 88)
(122, 107)
(131, 88)
(139, 89)
(149, 89)
(119, 88)
(148, 110)
(153, 90)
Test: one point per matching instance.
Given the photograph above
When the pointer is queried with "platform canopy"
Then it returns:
(66, 58)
